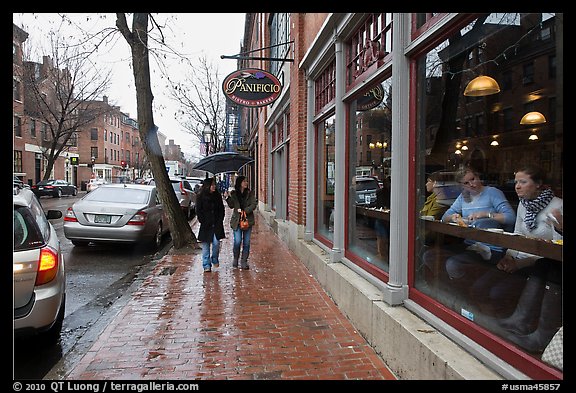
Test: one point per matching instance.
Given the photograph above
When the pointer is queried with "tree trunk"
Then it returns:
(180, 230)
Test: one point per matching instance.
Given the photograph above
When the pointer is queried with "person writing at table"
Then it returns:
(477, 201)
(538, 313)
(483, 207)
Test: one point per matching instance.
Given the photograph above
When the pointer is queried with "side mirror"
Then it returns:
(53, 214)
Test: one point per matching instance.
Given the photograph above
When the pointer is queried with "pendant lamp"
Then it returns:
(481, 86)
(533, 118)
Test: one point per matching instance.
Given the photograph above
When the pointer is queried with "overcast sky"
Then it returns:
(192, 34)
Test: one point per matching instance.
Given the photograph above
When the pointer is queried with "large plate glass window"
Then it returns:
(326, 176)
(369, 176)
(464, 122)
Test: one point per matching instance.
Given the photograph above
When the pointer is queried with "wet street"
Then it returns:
(97, 277)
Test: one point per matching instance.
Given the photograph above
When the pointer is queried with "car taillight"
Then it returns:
(182, 190)
(70, 216)
(47, 266)
(138, 219)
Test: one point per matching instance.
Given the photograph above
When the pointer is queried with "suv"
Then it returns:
(366, 188)
(185, 194)
(38, 269)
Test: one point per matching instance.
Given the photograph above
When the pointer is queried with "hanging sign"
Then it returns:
(371, 99)
(251, 87)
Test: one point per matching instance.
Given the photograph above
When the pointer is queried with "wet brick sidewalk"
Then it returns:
(272, 322)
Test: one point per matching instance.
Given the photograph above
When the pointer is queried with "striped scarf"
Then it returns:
(533, 207)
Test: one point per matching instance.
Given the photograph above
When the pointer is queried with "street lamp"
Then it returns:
(383, 147)
(207, 136)
(67, 161)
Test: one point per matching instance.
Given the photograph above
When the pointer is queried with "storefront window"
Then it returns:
(472, 141)
(369, 150)
(326, 178)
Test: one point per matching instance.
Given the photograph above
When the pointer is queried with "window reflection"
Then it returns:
(454, 131)
(369, 175)
(326, 177)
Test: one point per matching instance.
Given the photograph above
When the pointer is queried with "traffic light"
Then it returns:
(123, 164)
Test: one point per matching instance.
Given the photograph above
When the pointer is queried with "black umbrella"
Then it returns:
(227, 161)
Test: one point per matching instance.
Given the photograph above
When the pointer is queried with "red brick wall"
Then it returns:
(304, 27)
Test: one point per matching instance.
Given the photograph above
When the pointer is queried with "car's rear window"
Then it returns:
(366, 185)
(176, 186)
(27, 235)
(118, 194)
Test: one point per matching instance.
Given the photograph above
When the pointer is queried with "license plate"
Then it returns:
(102, 219)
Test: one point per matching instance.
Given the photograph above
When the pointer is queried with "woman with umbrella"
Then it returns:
(210, 213)
(242, 200)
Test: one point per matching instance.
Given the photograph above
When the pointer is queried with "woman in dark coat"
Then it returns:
(210, 213)
(241, 199)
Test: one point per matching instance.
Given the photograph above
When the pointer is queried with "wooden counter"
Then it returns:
(516, 242)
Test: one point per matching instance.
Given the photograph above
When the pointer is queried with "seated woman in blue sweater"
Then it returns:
(479, 206)
(483, 207)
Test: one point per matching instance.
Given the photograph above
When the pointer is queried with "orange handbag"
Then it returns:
(244, 224)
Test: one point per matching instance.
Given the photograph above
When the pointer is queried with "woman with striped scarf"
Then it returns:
(538, 313)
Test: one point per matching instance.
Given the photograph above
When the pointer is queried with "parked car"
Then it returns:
(366, 187)
(185, 194)
(195, 182)
(117, 213)
(18, 183)
(54, 188)
(38, 269)
(94, 184)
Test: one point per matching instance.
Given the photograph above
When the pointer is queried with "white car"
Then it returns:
(94, 184)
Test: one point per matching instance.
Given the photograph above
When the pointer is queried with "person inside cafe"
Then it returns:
(477, 206)
(382, 227)
(432, 207)
(538, 312)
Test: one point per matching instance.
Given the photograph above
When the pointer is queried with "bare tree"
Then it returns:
(62, 93)
(202, 102)
(137, 38)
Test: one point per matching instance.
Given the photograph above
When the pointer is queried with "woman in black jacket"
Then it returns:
(210, 213)
(241, 199)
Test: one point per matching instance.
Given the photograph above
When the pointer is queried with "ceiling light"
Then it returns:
(481, 86)
(533, 118)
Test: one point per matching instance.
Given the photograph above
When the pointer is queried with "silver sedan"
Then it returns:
(117, 213)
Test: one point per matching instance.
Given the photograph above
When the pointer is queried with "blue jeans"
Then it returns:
(242, 237)
(206, 259)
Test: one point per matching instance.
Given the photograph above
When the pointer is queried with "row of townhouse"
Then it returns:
(108, 148)
(389, 95)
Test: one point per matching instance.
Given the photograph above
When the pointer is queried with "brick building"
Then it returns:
(386, 95)
(109, 147)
